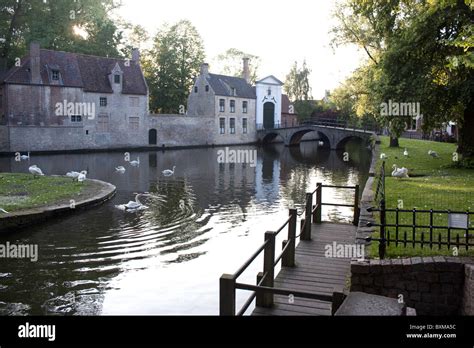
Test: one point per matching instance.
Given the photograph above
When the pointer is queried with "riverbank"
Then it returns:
(434, 183)
(30, 200)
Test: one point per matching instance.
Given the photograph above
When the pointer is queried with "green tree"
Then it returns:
(231, 63)
(177, 54)
(54, 25)
(297, 85)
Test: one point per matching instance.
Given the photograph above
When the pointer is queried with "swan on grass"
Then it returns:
(75, 175)
(82, 176)
(35, 170)
(4, 211)
(168, 172)
(433, 154)
(383, 156)
(399, 172)
(405, 153)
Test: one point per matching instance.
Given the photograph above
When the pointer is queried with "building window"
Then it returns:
(232, 126)
(134, 123)
(244, 125)
(103, 101)
(134, 101)
(117, 79)
(76, 118)
(207, 88)
(233, 92)
(55, 75)
(195, 89)
(103, 123)
(245, 106)
(222, 125)
(221, 105)
(232, 106)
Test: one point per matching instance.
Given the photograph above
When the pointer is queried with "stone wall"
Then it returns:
(431, 285)
(4, 139)
(468, 297)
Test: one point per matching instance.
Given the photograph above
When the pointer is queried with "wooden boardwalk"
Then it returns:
(314, 272)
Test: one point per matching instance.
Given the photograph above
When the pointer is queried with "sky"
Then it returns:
(279, 32)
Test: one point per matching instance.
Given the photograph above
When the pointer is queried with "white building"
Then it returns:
(268, 108)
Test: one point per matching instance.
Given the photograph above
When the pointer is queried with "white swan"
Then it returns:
(82, 176)
(168, 172)
(134, 205)
(433, 154)
(135, 163)
(383, 156)
(405, 153)
(120, 169)
(4, 211)
(35, 170)
(73, 174)
(25, 157)
(399, 172)
(321, 143)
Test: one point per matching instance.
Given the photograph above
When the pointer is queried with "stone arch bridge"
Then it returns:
(332, 137)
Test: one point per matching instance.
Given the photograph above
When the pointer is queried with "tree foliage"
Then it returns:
(55, 25)
(231, 63)
(174, 61)
(297, 85)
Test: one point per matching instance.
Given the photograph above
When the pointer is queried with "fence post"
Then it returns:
(268, 261)
(288, 259)
(306, 233)
(382, 245)
(227, 295)
(356, 206)
(319, 199)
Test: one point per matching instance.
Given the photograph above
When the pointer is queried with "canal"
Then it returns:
(166, 259)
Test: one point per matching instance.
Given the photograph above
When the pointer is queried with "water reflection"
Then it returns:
(167, 259)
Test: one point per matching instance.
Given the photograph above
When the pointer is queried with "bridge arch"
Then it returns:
(270, 137)
(342, 142)
(296, 137)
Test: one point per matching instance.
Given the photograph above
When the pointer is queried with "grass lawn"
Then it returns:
(434, 183)
(21, 191)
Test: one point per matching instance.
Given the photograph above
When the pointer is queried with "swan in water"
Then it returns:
(120, 169)
(399, 172)
(137, 205)
(35, 170)
(321, 143)
(135, 163)
(4, 211)
(25, 157)
(168, 172)
(405, 153)
(433, 154)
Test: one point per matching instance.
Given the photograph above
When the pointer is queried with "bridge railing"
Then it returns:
(325, 122)
(263, 292)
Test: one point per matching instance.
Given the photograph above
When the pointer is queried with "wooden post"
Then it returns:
(288, 259)
(268, 261)
(382, 246)
(227, 295)
(319, 199)
(307, 217)
(338, 298)
(259, 296)
(356, 206)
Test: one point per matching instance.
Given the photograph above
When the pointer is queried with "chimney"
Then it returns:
(136, 55)
(246, 71)
(204, 69)
(35, 63)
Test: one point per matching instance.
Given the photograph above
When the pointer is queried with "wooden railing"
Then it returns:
(264, 291)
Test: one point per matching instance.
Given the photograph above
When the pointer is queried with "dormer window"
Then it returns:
(117, 78)
(233, 92)
(55, 75)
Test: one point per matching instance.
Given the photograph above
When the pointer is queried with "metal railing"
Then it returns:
(325, 122)
(264, 291)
